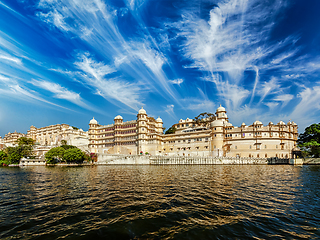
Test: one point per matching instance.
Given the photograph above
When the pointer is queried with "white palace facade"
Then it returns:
(217, 138)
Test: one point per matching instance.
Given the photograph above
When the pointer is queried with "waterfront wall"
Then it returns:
(161, 160)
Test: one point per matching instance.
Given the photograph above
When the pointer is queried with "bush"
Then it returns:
(54, 154)
(74, 155)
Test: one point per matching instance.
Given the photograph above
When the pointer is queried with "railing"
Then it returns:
(160, 160)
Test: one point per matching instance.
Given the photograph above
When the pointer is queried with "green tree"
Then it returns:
(54, 154)
(171, 130)
(74, 155)
(63, 142)
(66, 147)
(204, 118)
(309, 141)
(23, 141)
(26, 146)
(3, 155)
(14, 154)
(3, 158)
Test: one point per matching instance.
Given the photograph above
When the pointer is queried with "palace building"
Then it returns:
(53, 135)
(10, 139)
(216, 138)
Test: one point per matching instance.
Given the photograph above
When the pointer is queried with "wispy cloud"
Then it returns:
(308, 108)
(59, 91)
(94, 74)
(177, 81)
(26, 94)
(94, 22)
(170, 110)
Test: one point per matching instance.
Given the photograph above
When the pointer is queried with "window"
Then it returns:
(214, 146)
(235, 147)
(266, 155)
(276, 146)
(250, 146)
(265, 146)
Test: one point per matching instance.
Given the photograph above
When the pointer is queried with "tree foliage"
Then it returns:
(171, 130)
(23, 141)
(73, 155)
(24, 149)
(3, 159)
(14, 154)
(204, 118)
(66, 147)
(69, 155)
(54, 155)
(309, 141)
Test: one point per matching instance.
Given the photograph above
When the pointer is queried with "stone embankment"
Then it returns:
(161, 160)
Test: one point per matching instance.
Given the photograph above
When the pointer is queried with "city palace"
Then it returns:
(217, 138)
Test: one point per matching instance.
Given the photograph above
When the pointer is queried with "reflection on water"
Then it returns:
(160, 202)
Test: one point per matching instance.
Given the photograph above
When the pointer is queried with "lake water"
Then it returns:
(160, 202)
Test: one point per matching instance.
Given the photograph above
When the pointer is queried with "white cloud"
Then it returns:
(306, 110)
(59, 91)
(268, 88)
(10, 58)
(95, 73)
(176, 81)
(170, 110)
(284, 98)
(25, 94)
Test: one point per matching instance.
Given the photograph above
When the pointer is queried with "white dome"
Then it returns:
(243, 124)
(118, 117)
(216, 123)
(159, 119)
(142, 111)
(93, 121)
(257, 122)
(221, 109)
(281, 123)
(270, 123)
(294, 124)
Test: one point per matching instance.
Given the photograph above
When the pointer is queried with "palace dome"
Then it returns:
(221, 109)
(257, 122)
(159, 119)
(281, 123)
(216, 123)
(118, 117)
(142, 111)
(93, 121)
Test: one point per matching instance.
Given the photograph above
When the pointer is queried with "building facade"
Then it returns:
(10, 139)
(142, 135)
(216, 138)
(53, 135)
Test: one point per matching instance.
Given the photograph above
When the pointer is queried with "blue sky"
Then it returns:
(65, 61)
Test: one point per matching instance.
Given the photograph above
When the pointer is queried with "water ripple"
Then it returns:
(160, 202)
